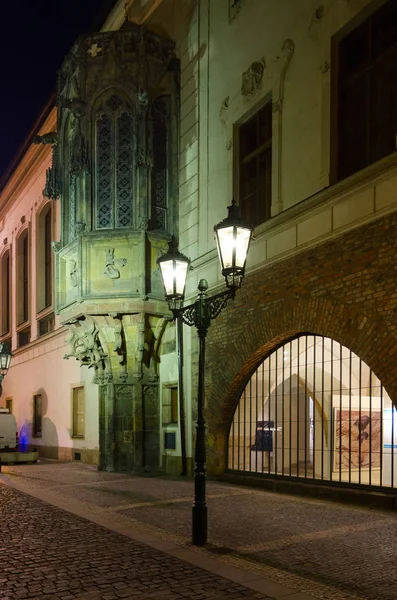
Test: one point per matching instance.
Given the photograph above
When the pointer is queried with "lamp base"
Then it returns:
(199, 525)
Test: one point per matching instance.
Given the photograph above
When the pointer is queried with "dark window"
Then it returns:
(46, 324)
(23, 278)
(48, 258)
(255, 166)
(37, 415)
(160, 141)
(5, 294)
(23, 337)
(367, 92)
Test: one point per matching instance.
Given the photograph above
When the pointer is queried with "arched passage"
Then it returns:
(313, 409)
(240, 340)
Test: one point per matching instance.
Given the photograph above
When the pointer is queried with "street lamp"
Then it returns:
(233, 238)
(5, 359)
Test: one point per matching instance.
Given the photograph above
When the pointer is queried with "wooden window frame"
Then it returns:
(6, 293)
(173, 406)
(335, 156)
(262, 150)
(75, 413)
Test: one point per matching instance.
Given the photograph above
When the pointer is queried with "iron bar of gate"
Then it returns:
(392, 444)
(350, 419)
(370, 431)
(322, 413)
(263, 410)
(306, 408)
(275, 415)
(269, 419)
(245, 427)
(282, 407)
(332, 441)
(340, 411)
(250, 429)
(359, 418)
(381, 437)
(256, 419)
(238, 434)
(290, 408)
(298, 413)
(314, 407)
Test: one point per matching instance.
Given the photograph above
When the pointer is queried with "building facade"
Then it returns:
(163, 117)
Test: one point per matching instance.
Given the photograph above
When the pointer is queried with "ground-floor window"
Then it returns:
(314, 409)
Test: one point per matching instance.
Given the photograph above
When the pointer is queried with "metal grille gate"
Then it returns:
(314, 410)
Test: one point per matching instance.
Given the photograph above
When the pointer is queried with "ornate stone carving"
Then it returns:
(252, 78)
(56, 246)
(79, 227)
(85, 343)
(51, 138)
(110, 269)
(73, 273)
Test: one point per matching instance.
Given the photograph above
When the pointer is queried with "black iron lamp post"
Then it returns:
(5, 359)
(233, 238)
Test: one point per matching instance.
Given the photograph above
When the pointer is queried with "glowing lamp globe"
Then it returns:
(233, 237)
(173, 268)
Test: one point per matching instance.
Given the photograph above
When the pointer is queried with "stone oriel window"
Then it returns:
(5, 293)
(255, 166)
(365, 109)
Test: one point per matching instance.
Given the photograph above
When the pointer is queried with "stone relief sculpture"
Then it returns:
(73, 273)
(85, 343)
(111, 270)
(252, 78)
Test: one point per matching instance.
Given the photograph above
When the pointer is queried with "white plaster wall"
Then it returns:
(41, 369)
(214, 53)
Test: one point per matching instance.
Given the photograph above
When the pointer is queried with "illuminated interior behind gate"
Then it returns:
(313, 409)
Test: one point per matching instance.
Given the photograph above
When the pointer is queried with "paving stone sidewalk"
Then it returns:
(330, 551)
(49, 554)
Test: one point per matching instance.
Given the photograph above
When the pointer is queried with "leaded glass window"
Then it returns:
(113, 163)
(160, 119)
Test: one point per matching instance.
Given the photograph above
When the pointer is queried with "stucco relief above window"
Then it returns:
(234, 8)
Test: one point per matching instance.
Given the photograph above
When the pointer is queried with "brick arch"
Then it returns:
(240, 340)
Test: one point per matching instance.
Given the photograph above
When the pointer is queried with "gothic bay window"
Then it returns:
(5, 293)
(114, 137)
(365, 110)
(23, 277)
(255, 166)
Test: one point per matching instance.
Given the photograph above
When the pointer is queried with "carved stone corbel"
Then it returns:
(252, 78)
(85, 344)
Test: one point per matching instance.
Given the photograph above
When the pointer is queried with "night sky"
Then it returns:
(35, 37)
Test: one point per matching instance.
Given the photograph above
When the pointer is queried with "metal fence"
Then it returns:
(314, 410)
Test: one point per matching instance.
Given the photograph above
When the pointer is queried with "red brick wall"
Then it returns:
(345, 289)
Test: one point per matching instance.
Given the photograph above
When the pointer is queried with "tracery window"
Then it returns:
(114, 149)
(160, 145)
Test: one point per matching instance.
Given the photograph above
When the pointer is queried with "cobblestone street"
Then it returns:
(316, 548)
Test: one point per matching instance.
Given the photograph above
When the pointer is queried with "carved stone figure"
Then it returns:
(111, 271)
(85, 343)
(73, 273)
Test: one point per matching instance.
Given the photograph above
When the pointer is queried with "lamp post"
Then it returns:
(5, 359)
(233, 238)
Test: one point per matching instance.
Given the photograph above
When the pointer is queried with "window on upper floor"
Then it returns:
(255, 166)
(5, 293)
(365, 110)
(23, 278)
(44, 263)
